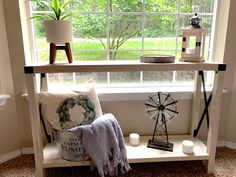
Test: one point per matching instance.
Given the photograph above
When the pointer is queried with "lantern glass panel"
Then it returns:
(191, 44)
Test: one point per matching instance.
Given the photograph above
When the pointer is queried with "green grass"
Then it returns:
(158, 44)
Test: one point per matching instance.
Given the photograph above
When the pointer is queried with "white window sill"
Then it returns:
(142, 93)
(128, 94)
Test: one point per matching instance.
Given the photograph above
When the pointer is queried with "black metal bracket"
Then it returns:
(207, 103)
(48, 137)
(29, 70)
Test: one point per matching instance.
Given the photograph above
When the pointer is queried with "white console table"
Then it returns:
(48, 157)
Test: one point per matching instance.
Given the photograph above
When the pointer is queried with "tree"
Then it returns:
(121, 27)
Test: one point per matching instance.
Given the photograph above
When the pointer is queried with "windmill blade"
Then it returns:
(176, 112)
(155, 115)
(154, 101)
(166, 98)
(168, 116)
(155, 98)
(170, 100)
(151, 109)
(159, 97)
(174, 102)
(150, 104)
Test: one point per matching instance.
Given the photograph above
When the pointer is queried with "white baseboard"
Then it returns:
(27, 150)
(220, 144)
(9, 156)
(230, 145)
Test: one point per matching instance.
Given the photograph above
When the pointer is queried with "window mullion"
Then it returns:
(176, 37)
(108, 38)
(142, 35)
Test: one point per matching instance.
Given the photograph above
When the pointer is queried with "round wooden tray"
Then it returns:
(153, 58)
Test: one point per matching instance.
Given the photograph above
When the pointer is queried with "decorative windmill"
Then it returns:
(162, 108)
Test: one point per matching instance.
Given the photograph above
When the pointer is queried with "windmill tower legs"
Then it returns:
(160, 139)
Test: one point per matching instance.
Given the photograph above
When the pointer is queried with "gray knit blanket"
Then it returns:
(103, 141)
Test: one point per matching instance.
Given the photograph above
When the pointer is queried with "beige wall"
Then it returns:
(133, 118)
(230, 55)
(15, 30)
(9, 129)
(130, 114)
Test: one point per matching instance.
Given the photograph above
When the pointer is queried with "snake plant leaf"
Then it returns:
(65, 3)
(65, 16)
(57, 8)
(43, 16)
(56, 5)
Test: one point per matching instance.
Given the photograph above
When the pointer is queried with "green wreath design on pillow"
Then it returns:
(69, 103)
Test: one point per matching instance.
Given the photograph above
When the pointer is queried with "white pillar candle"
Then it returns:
(190, 51)
(134, 139)
(187, 146)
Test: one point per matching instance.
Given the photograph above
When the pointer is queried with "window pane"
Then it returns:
(89, 5)
(199, 6)
(60, 78)
(125, 32)
(92, 44)
(89, 55)
(129, 55)
(38, 7)
(57, 79)
(125, 5)
(161, 6)
(184, 76)
(124, 77)
(90, 31)
(159, 32)
(96, 78)
(157, 77)
(38, 28)
(42, 56)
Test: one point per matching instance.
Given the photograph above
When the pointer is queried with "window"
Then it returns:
(124, 30)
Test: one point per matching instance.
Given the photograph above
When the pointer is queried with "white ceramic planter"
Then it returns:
(58, 31)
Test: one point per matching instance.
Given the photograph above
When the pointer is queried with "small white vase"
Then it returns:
(58, 31)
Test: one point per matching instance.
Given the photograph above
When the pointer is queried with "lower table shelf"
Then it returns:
(136, 154)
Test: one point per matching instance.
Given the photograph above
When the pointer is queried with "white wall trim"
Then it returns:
(27, 150)
(10, 155)
(230, 145)
(220, 144)
(138, 93)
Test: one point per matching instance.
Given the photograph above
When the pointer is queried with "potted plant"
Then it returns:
(58, 30)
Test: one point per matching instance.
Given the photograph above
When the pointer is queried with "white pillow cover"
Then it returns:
(50, 102)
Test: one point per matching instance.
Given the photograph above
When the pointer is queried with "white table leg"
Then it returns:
(35, 124)
(214, 120)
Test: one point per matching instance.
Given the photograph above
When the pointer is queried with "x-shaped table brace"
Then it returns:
(207, 103)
